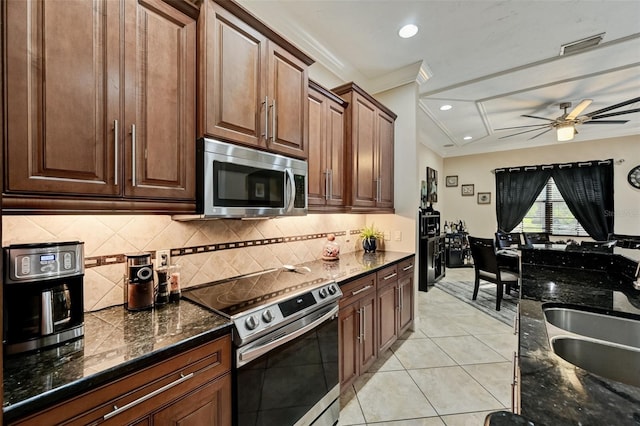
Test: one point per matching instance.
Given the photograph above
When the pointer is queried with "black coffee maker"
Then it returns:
(42, 295)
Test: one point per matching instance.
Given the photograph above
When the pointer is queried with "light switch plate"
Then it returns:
(163, 258)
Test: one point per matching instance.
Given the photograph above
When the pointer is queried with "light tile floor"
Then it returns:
(453, 369)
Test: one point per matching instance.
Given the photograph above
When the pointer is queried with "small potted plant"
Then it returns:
(370, 234)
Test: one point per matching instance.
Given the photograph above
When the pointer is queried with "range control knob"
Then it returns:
(333, 289)
(251, 322)
(323, 293)
(267, 316)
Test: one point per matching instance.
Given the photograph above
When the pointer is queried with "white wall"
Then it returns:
(476, 169)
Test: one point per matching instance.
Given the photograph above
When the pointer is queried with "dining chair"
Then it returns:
(531, 238)
(487, 267)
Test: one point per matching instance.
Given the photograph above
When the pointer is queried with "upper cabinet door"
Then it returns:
(385, 161)
(254, 84)
(160, 124)
(365, 170)
(62, 94)
(288, 90)
(234, 100)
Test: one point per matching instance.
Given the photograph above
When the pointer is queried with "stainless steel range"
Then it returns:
(285, 333)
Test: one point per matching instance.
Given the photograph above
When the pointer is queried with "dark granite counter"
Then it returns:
(553, 391)
(116, 342)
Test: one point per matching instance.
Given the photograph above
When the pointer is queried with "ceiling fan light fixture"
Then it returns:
(565, 133)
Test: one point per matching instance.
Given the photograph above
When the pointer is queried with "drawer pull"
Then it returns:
(117, 410)
(406, 268)
(353, 293)
(388, 277)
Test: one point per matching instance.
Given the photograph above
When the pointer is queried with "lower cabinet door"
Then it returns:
(388, 327)
(208, 405)
(349, 339)
(368, 343)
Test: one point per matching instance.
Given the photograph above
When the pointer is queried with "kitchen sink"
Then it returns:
(601, 342)
(615, 362)
(601, 326)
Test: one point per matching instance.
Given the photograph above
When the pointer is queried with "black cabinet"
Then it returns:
(458, 252)
(431, 250)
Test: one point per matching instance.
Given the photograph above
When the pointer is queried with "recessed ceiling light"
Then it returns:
(445, 107)
(468, 138)
(408, 31)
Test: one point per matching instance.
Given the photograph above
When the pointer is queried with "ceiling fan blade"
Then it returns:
(609, 108)
(540, 134)
(606, 122)
(613, 114)
(539, 118)
(522, 127)
(578, 109)
(519, 133)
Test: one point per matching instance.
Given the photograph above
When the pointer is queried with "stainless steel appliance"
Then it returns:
(42, 295)
(239, 182)
(138, 282)
(285, 334)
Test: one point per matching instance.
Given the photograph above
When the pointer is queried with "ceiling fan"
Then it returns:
(565, 125)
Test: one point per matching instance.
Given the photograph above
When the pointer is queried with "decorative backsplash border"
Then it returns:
(95, 261)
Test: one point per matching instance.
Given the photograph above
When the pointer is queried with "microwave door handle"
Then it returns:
(292, 189)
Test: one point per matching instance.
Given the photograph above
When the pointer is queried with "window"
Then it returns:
(549, 213)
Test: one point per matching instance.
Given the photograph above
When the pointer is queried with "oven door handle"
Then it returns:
(251, 354)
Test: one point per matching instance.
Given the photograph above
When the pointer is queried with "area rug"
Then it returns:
(486, 301)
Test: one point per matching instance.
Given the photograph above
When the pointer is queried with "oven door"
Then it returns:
(290, 377)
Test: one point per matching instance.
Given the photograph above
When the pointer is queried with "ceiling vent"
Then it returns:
(585, 43)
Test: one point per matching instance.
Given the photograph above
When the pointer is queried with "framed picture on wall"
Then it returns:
(451, 181)
(432, 185)
(467, 189)
(484, 198)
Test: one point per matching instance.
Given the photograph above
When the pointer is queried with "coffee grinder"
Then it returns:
(138, 282)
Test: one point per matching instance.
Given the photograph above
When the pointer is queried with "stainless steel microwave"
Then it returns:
(239, 182)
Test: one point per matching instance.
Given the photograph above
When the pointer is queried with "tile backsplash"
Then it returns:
(289, 240)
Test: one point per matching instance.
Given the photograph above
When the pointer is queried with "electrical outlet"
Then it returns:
(387, 236)
(397, 235)
(163, 258)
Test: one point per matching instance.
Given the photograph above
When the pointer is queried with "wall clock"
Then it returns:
(634, 177)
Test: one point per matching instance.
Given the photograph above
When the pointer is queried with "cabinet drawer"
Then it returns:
(387, 275)
(143, 392)
(406, 267)
(357, 289)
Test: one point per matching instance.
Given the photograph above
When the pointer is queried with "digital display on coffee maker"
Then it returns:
(47, 258)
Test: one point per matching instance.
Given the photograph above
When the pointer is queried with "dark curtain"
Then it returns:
(516, 191)
(588, 191)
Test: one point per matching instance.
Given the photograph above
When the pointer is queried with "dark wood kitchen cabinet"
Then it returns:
(100, 106)
(369, 132)
(395, 302)
(254, 83)
(326, 150)
(357, 328)
(192, 388)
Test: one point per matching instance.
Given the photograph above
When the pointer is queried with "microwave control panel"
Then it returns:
(40, 262)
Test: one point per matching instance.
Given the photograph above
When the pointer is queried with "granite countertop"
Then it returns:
(117, 342)
(553, 391)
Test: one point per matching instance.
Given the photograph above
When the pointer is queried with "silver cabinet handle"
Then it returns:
(401, 298)
(115, 152)
(388, 277)
(133, 155)
(274, 129)
(406, 268)
(266, 117)
(117, 410)
(364, 325)
(330, 184)
(353, 293)
(326, 184)
(359, 325)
